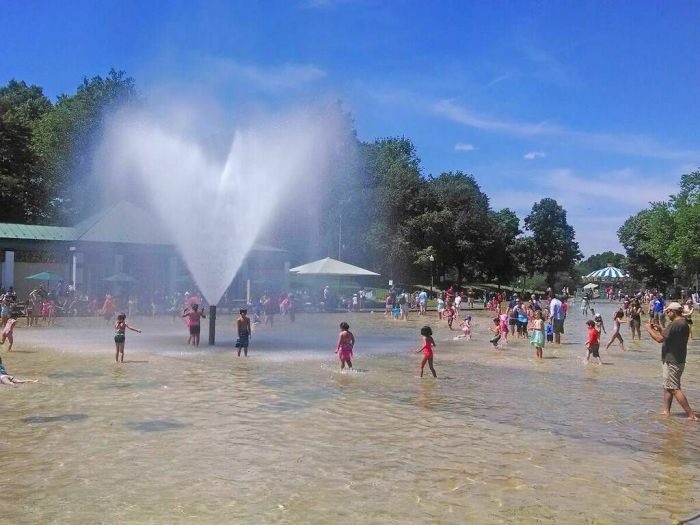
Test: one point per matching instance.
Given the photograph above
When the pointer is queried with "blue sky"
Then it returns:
(592, 103)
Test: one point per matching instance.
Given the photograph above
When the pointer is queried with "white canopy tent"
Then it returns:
(331, 267)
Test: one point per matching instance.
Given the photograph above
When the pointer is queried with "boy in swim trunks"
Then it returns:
(244, 332)
(593, 343)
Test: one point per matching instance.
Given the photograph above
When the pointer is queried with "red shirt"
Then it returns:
(593, 336)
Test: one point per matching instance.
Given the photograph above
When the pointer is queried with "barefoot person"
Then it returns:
(346, 342)
(244, 332)
(537, 338)
(674, 348)
(593, 342)
(7, 379)
(193, 322)
(428, 344)
(7, 332)
(616, 335)
(120, 327)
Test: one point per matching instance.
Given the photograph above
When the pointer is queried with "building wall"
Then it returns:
(25, 269)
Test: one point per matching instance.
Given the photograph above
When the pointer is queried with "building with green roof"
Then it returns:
(121, 240)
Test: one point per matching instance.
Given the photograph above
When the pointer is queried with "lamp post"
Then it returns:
(432, 260)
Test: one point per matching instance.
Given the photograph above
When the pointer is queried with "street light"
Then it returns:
(432, 260)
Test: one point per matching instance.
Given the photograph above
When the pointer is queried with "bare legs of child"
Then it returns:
(428, 360)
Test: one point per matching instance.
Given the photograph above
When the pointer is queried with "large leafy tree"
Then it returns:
(506, 253)
(684, 248)
(553, 240)
(639, 235)
(64, 139)
(23, 184)
(399, 194)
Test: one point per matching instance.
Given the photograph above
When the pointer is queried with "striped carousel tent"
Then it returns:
(607, 274)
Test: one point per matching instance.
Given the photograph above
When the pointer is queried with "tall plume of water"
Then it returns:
(214, 209)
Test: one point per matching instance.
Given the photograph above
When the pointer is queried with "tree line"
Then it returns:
(663, 241)
(378, 208)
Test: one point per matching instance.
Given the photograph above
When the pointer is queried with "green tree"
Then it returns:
(553, 240)
(506, 250)
(684, 248)
(64, 139)
(645, 260)
(398, 195)
(23, 196)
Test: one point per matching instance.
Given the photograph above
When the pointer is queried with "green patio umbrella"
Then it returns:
(45, 276)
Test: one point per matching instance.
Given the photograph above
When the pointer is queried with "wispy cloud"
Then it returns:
(499, 79)
(461, 146)
(268, 77)
(628, 144)
(597, 204)
(532, 155)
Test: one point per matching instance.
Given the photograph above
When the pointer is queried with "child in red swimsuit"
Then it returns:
(346, 342)
(427, 349)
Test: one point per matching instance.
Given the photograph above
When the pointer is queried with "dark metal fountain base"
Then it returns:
(212, 325)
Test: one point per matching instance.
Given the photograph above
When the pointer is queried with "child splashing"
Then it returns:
(427, 349)
(467, 328)
(346, 342)
(537, 339)
(120, 327)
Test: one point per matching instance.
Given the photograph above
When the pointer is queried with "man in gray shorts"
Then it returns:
(674, 348)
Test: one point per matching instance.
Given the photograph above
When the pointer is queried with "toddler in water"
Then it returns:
(7, 332)
(346, 342)
(440, 307)
(450, 313)
(427, 349)
(496, 332)
(549, 330)
(467, 327)
(504, 326)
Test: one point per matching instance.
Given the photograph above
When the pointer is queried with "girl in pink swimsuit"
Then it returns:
(346, 342)
(427, 349)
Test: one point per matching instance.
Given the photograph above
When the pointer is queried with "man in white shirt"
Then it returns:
(556, 314)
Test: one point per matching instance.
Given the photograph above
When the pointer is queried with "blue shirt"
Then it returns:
(658, 305)
(423, 296)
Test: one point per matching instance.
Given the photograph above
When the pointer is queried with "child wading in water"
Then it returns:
(244, 331)
(467, 328)
(593, 343)
(427, 349)
(617, 319)
(496, 329)
(120, 327)
(346, 342)
(537, 339)
(193, 317)
(7, 332)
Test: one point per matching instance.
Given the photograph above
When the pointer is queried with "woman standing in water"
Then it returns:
(120, 327)
(635, 313)
(193, 317)
(428, 344)
(345, 345)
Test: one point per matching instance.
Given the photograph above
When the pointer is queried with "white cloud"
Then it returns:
(461, 146)
(268, 77)
(596, 204)
(634, 145)
(532, 155)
